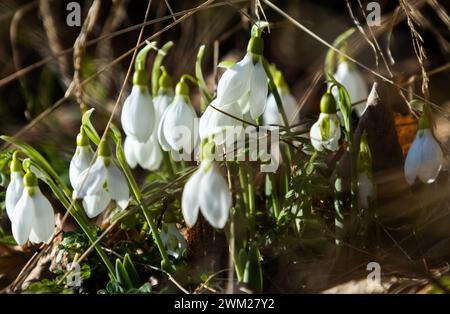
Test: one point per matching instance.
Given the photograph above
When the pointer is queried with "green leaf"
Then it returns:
(253, 272)
(131, 270)
(122, 275)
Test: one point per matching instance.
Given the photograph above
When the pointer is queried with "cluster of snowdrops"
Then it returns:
(248, 91)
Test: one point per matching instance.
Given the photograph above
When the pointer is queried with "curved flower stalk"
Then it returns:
(32, 217)
(271, 114)
(366, 188)
(81, 159)
(425, 157)
(102, 182)
(148, 154)
(246, 81)
(173, 240)
(207, 191)
(138, 115)
(349, 76)
(15, 187)
(326, 132)
(219, 126)
(177, 130)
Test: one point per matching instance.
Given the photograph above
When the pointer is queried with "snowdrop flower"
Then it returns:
(138, 115)
(101, 183)
(366, 187)
(220, 126)
(32, 217)
(148, 154)
(425, 157)
(271, 114)
(173, 240)
(177, 130)
(207, 191)
(15, 187)
(246, 81)
(81, 159)
(353, 81)
(326, 132)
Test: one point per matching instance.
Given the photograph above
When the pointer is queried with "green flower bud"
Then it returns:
(30, 179)
(104, 149)
(82, 138)
(182, 88)
(16, 165)
(328, 103)
(165, 81)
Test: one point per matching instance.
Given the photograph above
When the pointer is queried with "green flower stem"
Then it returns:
(168, 164)
(243, 181)
(251, 201)
(166, 263)
(274, 196)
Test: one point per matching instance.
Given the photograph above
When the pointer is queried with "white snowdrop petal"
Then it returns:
(95, 204)
(129, 151)
(44, 218)
(150, 155)
(431, 158)
(22, 219)
(190, 198)
(178, 125)
(161, 102)
(161, 136)
(413, 159)
(215, 197)
(271, 114)
(138, 114)
(13, 192)
(316, 136)
(258, 90)
(224, 128)
(91, 180)
(79, 162)
(234, 83)
(118, 186)
(205, 122)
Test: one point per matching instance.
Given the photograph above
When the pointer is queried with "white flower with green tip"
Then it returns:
(326, 132)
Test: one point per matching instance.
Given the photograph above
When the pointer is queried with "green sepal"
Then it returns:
(104, 149)
(182, 88)
(256, 46)
(16, 165)
(30, 179)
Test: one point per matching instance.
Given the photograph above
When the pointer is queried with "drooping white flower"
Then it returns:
(207, 191)
(326, 132)
(177, 129)
(15, 187)
(349, 76)
(218, 125)
(273, 116)
(81, 159)
(173, 240)
(138, 114)
(246, 82)
(148, 154)
(101, 183)
(32, 217)
(425, 157)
